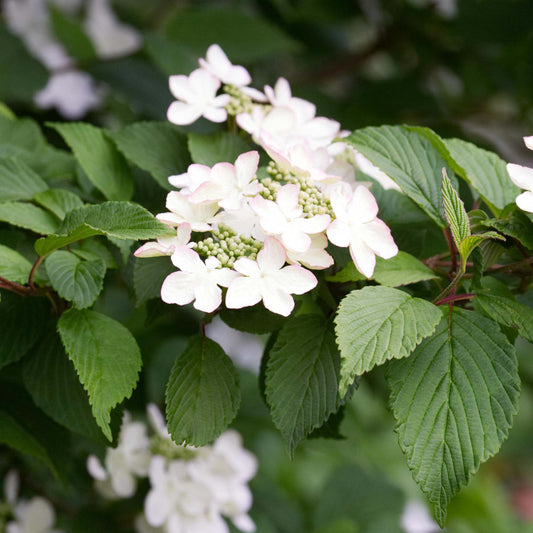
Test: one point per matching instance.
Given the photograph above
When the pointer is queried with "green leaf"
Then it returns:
(517, 225)
(23, 133)
(157, 147)
(120, 220)
(77, 280)
(376, 324)
(508, 312)
(6, 112)
(172, 57)
(302, 377)
(455, 211)
(454, 400)
(28, 216)
(148, 276)
(402, 269)
(255, 319)
(13, 266)
(52, 382)
(410, 159)
(105, 167)
(23, 321)
(202, 394)
(58, 201)
(216, 147)
(106, 358)
(485, 171)
(18, 181)
(469, 244)
(243, 37)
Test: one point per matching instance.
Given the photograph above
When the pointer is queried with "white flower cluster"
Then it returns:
(523, 178)
(69, 90)
(191, 488)
(25, 516)
(247, 223)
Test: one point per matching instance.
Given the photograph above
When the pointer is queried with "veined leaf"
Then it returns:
(302, 377)
(105, 167)
(13, 266)
(410, 159)
(77, 280)
(157, 147)
(121, 220)
(455, 211)
(454, 399)
(375, 324)
(255, 319)
(216, 147)
(18, 181)
(517, 225)
(28, 216)
(105, 356)
(148, 276)
(470, 243)
(58, 201)
(202, 394)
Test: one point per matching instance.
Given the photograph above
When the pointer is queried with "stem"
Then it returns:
(453, 251)
(33, 270)
(455, 298)
(12, 286)
(449, 288)
(511, 266)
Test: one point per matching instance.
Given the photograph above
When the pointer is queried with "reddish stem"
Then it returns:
(453, 251)
(455, 298)
(33, 270)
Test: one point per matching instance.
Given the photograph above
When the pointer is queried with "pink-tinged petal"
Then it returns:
(184, 234)
(363, 206)
(363, 257)
(238, 76)
(150, 249)
(321, 128)
(224, 276)
(204, 83)
(247, 267)
(243, 292)
(224, 173)
(305, 111)
(317, 259)
(521, 176)
(215, 114)
(294, 239)
(180, 88)
(207, 192)
(340, 196)
(254, 94)
(279, 120)
(217, 58)
(170, 219)
(283, 91)
(188, 260)
(179, 180)
(272, 257)
(377, 236)
(287, 199)
(208, 297)
(246, 167)
(246, 122)
(182, 114)
(272, 219)
(529, 142)
(178, 288)
(277, 300)
(176, 201)
(339, 233)
(525, 201)
(316, 224)
(296, 279)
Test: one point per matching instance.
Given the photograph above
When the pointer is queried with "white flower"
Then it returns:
(166, 245)
(284, 218)
(199, 216)
(523, 177)
(268, 280)
(197, 93)
(124, 463)
(416, 519)
(189, 181)
(356, 225)
(110, 37)
(276, 123)
(34, 516)
(228, 184)
(217, 63)
(315, 257)
(197, 281)
(243, 221)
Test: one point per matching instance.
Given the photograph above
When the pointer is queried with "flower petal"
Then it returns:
(525, 201)
(363, 257)
(188, 260)
(272, 257)
(178, 288)
(208, 296)
(277, 300)
(296, 280)
(182, 113)
(363, 206)
(338, 233)
(521, 176)
(529, 142)
(243, 292)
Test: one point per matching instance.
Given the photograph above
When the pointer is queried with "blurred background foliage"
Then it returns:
(463, 68)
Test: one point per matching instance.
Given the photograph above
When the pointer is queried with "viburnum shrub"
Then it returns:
(351, 250)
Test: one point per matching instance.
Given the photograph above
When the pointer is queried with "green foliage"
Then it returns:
(375, 324)
(18, 181)
(254, 319)
(454, 400)
(454, 210)
(516, 225)
(148, 276)
(58, 201)
(105, 167)
(13, 266)
(216, 147)
(77, 280)
(28, 216)
(202, 395)
(71, 35)
(302, 377)
(157, 147)
(106, 358)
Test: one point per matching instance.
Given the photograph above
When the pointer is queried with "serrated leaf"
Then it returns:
(28, 216)
(120, 220)
(517, 225)
(485, 171)
(376, 324)
(218, 147)
(508, 312)
(13, 266)
(255, 319)
(75, 279)
(470, 243)
(454, 399)
(148, 276)
(202, 395)
(51, 380)
(455, 211)
(18, 181)
(302, 377)
(157, 147)
(105, 167)
(105, 356)
(58, 201)
(410, 159)
(18, 340)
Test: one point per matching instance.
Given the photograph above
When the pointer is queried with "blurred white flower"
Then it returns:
(217, 63)
(416, 519)
(123, 464)
(33, 516)
(197, 97)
